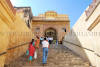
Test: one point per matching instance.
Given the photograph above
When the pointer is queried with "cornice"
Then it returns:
(92, 11)
(50, 21)
(7, 9)
(6, 14)
(94, 24)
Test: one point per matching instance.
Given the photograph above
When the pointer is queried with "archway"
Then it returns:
(51, 32)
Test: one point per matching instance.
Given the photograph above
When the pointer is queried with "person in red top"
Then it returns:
(31, 50)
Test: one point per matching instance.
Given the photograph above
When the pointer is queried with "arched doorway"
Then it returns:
(51, 32)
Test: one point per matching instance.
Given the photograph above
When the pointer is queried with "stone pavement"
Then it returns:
(58, 57)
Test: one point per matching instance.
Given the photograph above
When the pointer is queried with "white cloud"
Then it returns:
(14, 2)
(18, 2)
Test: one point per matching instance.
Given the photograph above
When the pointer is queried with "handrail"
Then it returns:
(82, 47)
(18, 46)
(3, 53)
(14, 48)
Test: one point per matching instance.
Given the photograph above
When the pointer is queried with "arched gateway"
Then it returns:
(51, 32)
(51, 24)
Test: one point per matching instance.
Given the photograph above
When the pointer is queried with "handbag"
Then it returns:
(35, 55)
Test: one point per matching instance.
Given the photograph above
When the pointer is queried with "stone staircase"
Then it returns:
(57, 57)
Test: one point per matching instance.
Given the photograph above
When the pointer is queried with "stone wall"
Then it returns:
(51, 19)
(84, 38)
(14, 34)
(58, 26)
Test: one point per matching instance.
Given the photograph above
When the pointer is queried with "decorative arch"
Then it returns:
(51, 32)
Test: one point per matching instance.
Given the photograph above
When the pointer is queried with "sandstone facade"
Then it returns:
(13, 37)
(51, 24)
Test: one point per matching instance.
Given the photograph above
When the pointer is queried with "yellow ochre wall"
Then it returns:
(14, 35)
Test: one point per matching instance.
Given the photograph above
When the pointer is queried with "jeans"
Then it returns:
(45, 55)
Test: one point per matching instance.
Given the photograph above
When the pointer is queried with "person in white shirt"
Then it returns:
(45, 46)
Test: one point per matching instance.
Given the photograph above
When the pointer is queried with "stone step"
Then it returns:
(57, 57)
(32, 66)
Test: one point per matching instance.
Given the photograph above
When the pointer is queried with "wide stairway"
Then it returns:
(58, 56)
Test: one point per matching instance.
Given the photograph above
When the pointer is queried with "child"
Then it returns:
(31, 50)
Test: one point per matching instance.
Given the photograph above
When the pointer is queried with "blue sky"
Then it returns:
(73, 8)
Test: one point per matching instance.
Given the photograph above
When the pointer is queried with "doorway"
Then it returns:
(51, 32)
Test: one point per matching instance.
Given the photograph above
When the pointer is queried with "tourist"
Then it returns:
(56, 43)
(45, 46)
(31, 50)
(37, 43)
(41, 39)
(50, 40)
